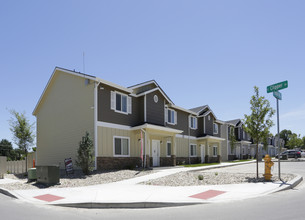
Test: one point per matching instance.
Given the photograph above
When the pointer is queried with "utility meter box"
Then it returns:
(32, 174)
(48, 175)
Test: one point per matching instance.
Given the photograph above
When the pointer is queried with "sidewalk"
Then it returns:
(129, 194)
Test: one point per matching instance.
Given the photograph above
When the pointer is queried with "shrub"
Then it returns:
(85, 159)
(200, 177)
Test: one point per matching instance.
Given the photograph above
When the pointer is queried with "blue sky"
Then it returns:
(199, 52)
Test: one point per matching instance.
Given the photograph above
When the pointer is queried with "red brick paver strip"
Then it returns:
(208, 194)
(48, 198)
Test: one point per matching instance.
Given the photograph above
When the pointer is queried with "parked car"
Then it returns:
(290, 154)
(302, 153)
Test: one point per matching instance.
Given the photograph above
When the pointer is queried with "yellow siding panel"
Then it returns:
(63, 117)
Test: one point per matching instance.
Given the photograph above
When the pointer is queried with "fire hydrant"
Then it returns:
(268, 165)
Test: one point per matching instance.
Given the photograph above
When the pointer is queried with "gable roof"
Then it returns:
(199, 109)
(79, 74)
(235, 122)
(154, 87)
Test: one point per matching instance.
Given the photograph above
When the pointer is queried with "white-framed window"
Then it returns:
(168, 149)
(215, 128)
(209, 117)
(121, 146)
(193, 122)
(193, 150)
(171, 116)
(215, 151)
(121, 103)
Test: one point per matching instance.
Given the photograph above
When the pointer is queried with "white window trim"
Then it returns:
(214, 128)
(168, 142)
(121, 137)
(195, 150)
(195, 122)
(128, 103)
(166, 116)
(215, 146)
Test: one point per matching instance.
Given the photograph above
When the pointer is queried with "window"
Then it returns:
(244, 135)
(193, 152)
(215, 128)
(193, 122)
(168, 149)
(121, 146)
(120, 103)
(171, 116)
(214, 151)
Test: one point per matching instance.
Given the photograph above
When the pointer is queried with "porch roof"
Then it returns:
(157, 128)
(211, 138)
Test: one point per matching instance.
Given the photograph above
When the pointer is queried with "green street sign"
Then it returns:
(277, 86)
(277, 95)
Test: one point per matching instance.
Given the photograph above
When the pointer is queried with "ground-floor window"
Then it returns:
(121, 146)
(193, 152)
(168, 149)
(215, 151)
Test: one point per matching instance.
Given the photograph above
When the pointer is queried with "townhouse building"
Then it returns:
(130, 126)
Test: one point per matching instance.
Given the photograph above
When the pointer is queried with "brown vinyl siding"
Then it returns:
(155, 111)
(106, 114)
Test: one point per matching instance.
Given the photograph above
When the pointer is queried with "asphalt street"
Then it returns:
(282, 205)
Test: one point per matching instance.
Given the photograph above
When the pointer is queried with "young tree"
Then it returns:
(23, 134)
(85, 159)
(259, 122)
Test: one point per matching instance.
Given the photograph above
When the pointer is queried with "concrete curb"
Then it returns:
(8, 193)
(290, 184)
(131, 205)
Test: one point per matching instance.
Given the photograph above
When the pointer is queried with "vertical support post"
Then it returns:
(278, 136)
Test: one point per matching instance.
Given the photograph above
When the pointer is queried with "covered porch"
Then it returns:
(159, 145)
(210, 149)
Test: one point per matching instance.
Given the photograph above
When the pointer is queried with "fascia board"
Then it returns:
(153, 90)
(182, 109)
(143, 84)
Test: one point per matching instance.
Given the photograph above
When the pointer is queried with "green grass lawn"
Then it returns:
(236, 161)
(210, 164)
(199, 164)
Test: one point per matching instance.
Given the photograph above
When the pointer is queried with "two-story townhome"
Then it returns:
(130, 126)
(242, 149)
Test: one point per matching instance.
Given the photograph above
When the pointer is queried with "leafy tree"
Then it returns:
(258, 123)
(85, 159)
(284, 134)
(6, 149)
(22, 131)
(294, 141)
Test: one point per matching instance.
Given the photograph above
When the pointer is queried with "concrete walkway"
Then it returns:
(130, 194)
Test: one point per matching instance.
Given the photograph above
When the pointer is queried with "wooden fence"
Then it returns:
(17, 167)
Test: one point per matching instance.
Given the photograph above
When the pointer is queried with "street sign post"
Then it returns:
(277, 95)
(274, 88)
(277, 86)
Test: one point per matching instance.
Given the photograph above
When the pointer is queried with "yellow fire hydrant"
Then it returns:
(268, 165)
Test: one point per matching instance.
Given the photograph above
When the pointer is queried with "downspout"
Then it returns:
(95, 123)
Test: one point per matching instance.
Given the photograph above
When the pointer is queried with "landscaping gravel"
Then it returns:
(211, 178)
(75, 180)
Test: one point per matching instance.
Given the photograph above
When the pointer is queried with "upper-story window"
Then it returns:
(193, 122)
(215, 128)
(244, 135)
(171, 116)
(120, 102)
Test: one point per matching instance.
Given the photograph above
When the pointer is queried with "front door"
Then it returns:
(202, 153)
(156, 152)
